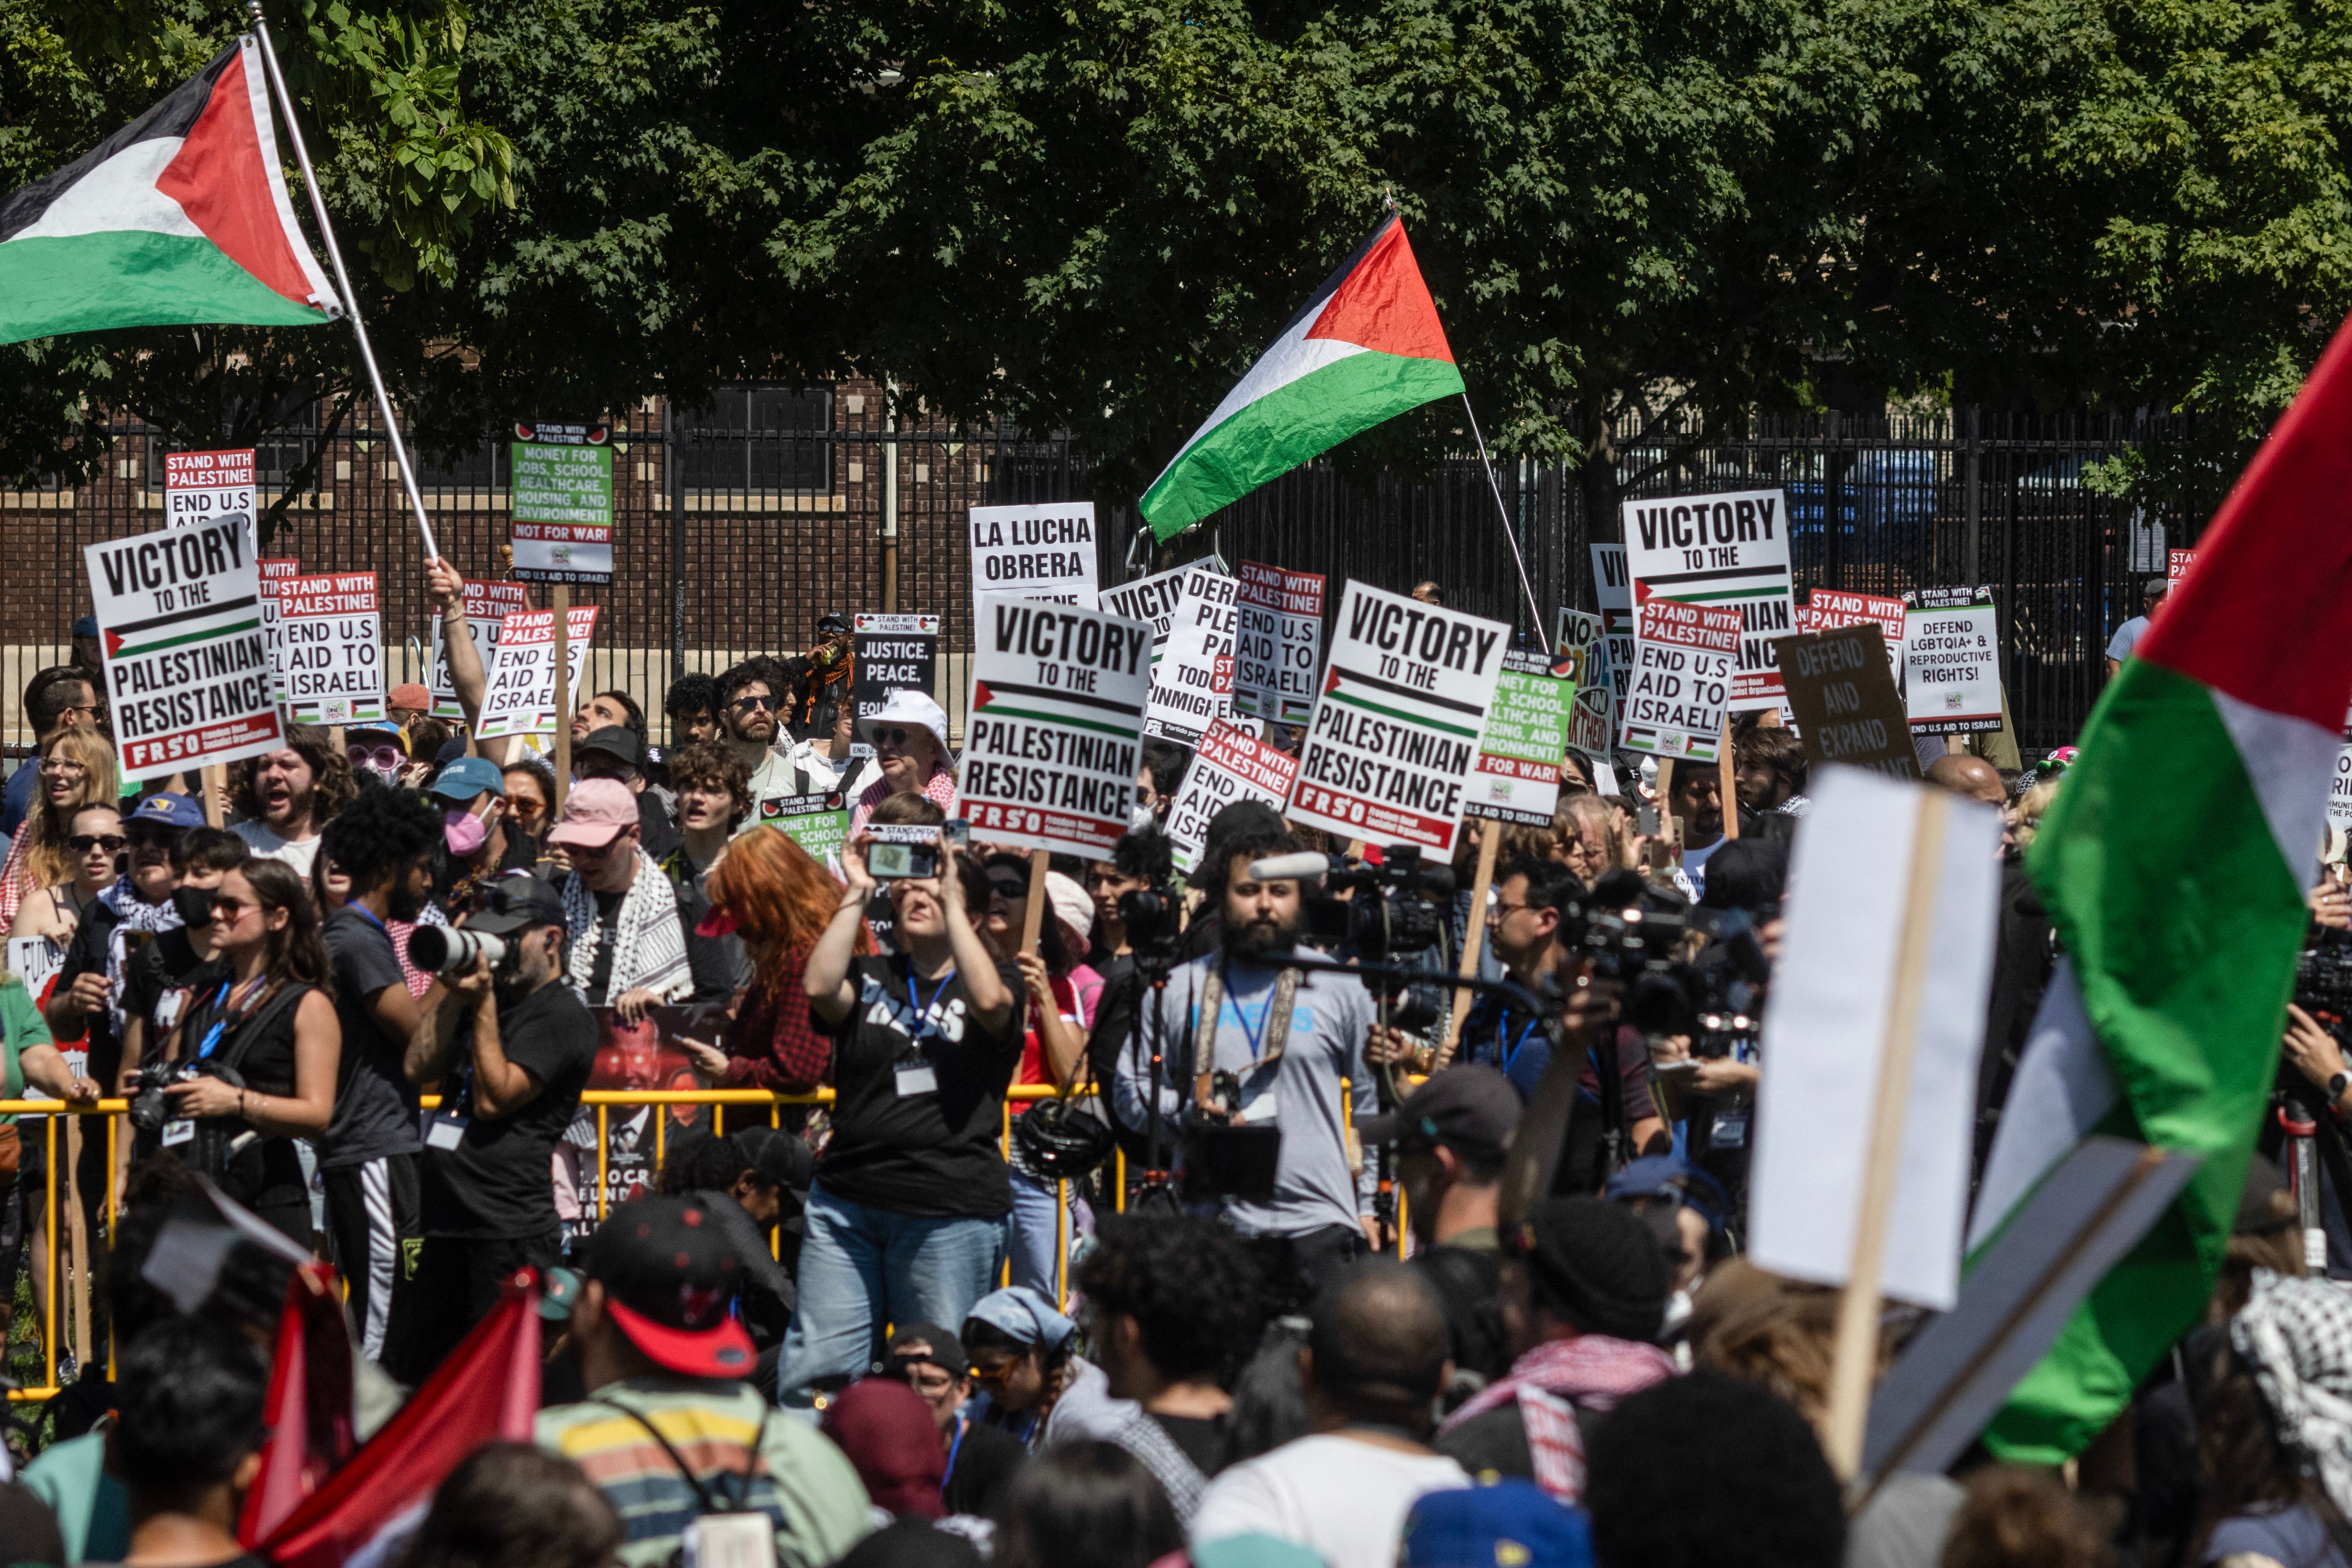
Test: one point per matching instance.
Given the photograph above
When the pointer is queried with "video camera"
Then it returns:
(1669, 983)
(1394, 909)
(1154, 932)
(2323, 979)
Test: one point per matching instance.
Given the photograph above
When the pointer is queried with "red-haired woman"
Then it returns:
(779, 900)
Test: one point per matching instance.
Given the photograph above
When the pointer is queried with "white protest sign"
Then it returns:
(332, 632)
(1191, 667)
(2339, 790)
(1277, 642)
(521, 698)
(1686, 657)
(1613, 593)
(1728, 551)
(1151, 599)
(275, 573)
(187, 662)
(487, 604)
(1825, 1029)
(1951, 662)
(1055, 728)
(1593, 727)
(1230, 765)
(210, 487)
(1517, 775)
(1395, 727)
(1043, 552)
(36, 961)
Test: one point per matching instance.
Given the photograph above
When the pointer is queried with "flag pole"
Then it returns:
(343, 282)
(1504, 513)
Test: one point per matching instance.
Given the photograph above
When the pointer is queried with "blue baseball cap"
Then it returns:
(1510, 1524)
(170, 811)
(467, 777)
(87, 627)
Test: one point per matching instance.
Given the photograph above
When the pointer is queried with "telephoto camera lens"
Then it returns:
(445, 950)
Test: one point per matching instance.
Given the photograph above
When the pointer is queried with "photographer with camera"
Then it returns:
(905, 1218)
(1255, 1052)
(253, 1063)
(510, 1075)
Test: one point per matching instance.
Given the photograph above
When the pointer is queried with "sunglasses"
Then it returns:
(895, 737)
(83, 843)
(746, 704)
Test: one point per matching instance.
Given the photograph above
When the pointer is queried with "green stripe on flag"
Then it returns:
(2170, 893)
(131, 278)
(1410, 718)
(207, 634)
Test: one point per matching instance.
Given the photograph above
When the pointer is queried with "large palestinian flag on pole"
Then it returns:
(1367, 346)
(179, 218)
(2174, 863)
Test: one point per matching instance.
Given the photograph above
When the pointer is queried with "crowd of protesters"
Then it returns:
(1228, 1280)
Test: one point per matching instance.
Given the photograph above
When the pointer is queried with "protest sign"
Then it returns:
(1832, 608)
(1515, 777)
(1055, 725)
(1951, 662)
(1230, 765)
(560, 504)
(275, 573)
(187, 662)
(891, 653)
(521, 696)
(1857, 974)
(1395, 727)
(2339, 790)
(1277, 642)
(639, 1058)
(2177, 567)
(1192, 666)
(1151, 599)
(817, 823)
(487, 604)
(1613, 594)
(1592, 725)
(1686, 657)
(210, 487)
(1044, 552)
(1729, 550)
(333, 631)
(36, 961)
(1844, 699)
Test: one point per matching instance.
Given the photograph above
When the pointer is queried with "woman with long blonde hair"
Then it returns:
(77, 771)
(1588, 839)
(773, 894)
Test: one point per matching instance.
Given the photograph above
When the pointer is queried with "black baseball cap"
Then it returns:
(517, 902)
(929, 1343)
(833, 621)
(1469, 1106)
(614, 741)
(669, 1279)
(776, 1157)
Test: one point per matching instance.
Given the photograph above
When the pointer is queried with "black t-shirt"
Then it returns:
(608, 923)
(86, 954)
(499, 1183)
(933, 1153)
(521, 855)
(986, 1460)
(375, 1105)
(1207, 1440)
(159, 970)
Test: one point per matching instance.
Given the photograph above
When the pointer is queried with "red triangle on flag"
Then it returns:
(981, 694)
(1331, 680)
(114, 642)
(220, 181)
(1383, 304)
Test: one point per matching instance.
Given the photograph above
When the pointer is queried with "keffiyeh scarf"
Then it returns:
(1550, 1381)
(132, 913)
(648, 945)
(2296, 1336)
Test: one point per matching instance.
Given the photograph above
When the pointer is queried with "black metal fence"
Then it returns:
(741, 523)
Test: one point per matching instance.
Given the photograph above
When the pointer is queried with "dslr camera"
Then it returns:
(451, 951)
(1671, 984)
(1393, 909)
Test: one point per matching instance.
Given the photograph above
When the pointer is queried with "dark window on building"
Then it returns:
(760, 440)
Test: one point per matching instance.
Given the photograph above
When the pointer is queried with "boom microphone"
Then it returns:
(1290, 868)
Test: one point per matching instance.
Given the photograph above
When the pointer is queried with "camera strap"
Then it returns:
(1212, 1003)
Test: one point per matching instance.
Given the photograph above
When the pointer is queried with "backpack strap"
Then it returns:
(706, 1502)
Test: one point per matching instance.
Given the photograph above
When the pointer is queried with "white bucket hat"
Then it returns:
(913, 709)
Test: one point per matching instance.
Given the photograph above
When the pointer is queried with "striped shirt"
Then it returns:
(805, 1483)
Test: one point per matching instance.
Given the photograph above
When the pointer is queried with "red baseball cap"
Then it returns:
(670, 1278)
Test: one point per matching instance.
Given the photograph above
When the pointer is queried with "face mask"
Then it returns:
(463, 830)
(195, 904)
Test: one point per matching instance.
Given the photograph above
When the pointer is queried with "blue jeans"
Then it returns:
(863, 1268)
(1030, 1239)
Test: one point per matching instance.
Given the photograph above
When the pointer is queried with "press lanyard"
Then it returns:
(1254, 1036)
(922, 1012)
(1504, 1027)
(963, 1424)
(220, 1025)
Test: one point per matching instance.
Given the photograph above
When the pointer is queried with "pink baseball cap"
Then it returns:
(411, 694)
(594, 811)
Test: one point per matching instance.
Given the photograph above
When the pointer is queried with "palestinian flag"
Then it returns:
(1367, 346)
(179, 218)
(2174, 863)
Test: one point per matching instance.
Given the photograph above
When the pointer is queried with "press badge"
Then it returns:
(918, 1078)
(445, 1129)
(178, 1132)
